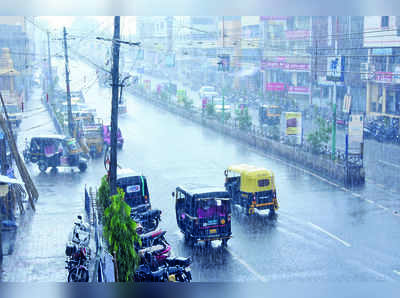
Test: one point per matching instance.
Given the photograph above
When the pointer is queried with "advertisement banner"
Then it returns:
(298, 90)
(346, 104)
(335, 68)
(297, 34)
(275, 86)
(356, 128)
(291, 126)
(383, 77)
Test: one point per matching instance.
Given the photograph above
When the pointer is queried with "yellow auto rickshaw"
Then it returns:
(251, 188)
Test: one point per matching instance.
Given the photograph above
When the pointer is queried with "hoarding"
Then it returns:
(335, 68)
(291, 127)
(355, 132)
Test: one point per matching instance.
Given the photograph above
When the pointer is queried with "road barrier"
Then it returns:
(348, 174)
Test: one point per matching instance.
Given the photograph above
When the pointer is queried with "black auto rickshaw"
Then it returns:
(56, 151)
(137, 197)
(203, 214)
(134, 187)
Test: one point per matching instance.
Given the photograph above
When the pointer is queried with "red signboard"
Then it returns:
(297, 34)
(383, 77)
(284, 65)
(298, 90)
(275, 86)
(273, 18)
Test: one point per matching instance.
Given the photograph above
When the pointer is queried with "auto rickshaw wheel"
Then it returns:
(224, 242)
(42, 166)
(54, 170)
(82, 167)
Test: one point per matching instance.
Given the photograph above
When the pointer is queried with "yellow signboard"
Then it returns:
(293, 121)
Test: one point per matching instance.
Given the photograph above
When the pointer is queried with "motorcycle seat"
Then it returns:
(152, 213)
(159, 273)
(179, 261)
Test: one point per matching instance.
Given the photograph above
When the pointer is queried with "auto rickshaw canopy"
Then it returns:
(252, 178)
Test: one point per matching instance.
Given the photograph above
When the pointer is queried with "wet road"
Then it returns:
(382, 160)
(322, 232)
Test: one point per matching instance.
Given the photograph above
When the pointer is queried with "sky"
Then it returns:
(128, 24)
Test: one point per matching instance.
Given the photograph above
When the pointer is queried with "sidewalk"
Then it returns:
(39, 251)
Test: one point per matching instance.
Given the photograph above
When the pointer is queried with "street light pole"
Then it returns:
(223, 74)
(114, 106)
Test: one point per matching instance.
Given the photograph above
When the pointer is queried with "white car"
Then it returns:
(206, 90)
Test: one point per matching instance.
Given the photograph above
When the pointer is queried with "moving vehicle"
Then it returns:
(269, 114)
(14, 114)
(56, 151)
(251, 188)
(203, 214)
(107, 136)
(93, 136)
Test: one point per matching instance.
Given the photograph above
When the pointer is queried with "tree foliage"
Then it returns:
(244, 119)
(321, 136)
(104, 193)
(120, 232)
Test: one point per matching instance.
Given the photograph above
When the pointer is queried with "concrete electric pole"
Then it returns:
(70, 123)
(114, 106)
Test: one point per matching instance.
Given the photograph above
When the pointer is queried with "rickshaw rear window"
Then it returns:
(263, 182)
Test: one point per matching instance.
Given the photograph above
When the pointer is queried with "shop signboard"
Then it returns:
(275, 86)
(297, 34)
(335, 68)
(355, 133)
(383, 77)
(298, 90)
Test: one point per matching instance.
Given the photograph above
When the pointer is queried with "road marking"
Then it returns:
(389, 164)
(397, 272)
(344, 189)
(248, 267)
(329, 234)
(383, 207)
(369, 201)
(356, 194)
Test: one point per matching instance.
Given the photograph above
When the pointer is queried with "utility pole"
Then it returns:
(114, 106)
(70, 123)
(49, 63)
(223, 73)
(334, 112)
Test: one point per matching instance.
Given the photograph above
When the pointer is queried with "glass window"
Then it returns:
(385, 21)
(263, 183)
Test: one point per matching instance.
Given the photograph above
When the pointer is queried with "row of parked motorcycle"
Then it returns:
(156, 263)
(376, 129)
(78, 252)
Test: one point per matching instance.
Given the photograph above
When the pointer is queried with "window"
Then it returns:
(263, 183)
(384, 21)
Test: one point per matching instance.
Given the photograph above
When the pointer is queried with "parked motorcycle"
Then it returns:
(77, 263)
(148, 219)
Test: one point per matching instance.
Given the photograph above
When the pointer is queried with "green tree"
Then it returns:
(103, 198)
(321, 136)
(244, 119)
(120, 232)
(210, 109)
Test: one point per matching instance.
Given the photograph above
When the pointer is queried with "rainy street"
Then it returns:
(322, 231)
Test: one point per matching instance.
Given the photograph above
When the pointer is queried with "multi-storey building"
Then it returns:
(381, 71)
(286, 63)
